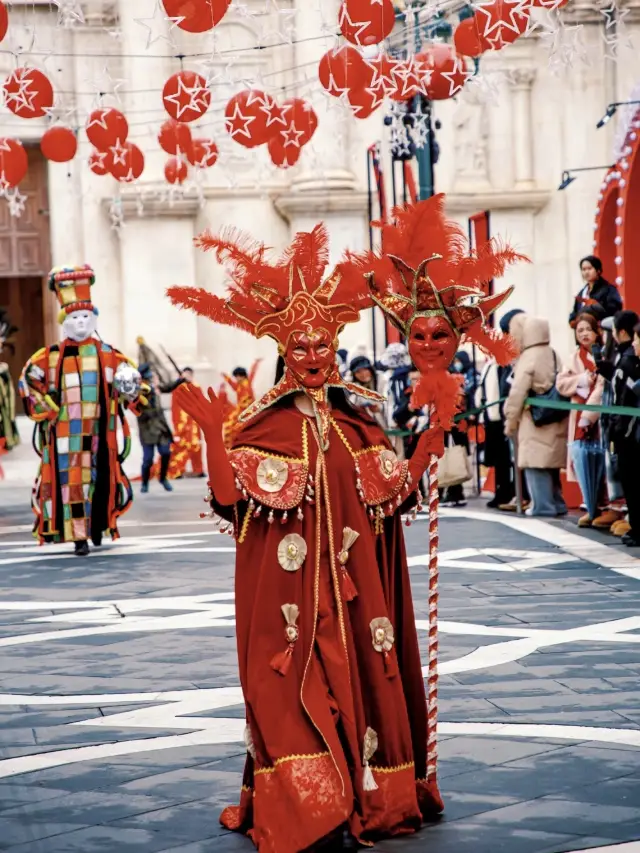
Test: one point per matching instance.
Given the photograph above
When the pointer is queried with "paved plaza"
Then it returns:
(121, 717)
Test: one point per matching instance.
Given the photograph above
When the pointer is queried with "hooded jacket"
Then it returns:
(538, 446)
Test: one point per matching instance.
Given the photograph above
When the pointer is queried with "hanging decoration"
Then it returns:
(175, 137)
(283, 156)
(448, 72)
(203, 153)
(467, 38)
(186, 96)
(106, 127)
(13, 163)
(343, 69)
(301, 122)
(97, 163)
(176, 170)
(28, 93)
(501, 22)
(196, 16)
(365, 22)
(252, 117)
(59, 144)
(125, 163)
(4, 20)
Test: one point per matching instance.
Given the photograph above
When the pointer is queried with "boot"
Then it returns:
(146, 473)
(82, 548)
(164, 468)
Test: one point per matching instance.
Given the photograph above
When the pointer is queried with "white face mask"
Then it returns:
(79, 325)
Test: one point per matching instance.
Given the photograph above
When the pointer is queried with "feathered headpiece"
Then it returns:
(277, 299)
(429, 270)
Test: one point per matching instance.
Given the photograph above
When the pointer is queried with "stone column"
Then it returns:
(522, 127)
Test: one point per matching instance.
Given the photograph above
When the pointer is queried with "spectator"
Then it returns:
(542, 450)
(154, 429)
(597, 296)
(396, 364)
(580, 381)
(495, 384)
(362, 373)
(624, 372)
(409, 419)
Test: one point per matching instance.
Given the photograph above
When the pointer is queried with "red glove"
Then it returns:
(430, 443)
(207, 413)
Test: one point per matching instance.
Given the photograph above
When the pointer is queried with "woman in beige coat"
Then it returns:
(542, 450)
(580, 381)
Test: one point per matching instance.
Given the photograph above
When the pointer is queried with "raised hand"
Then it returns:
(430, 443)
(206, 411)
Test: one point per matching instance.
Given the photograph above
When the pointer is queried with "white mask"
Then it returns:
(79, 325)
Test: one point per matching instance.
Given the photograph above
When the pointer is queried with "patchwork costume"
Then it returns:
(9, 436)
(68, 389)
(338, 737)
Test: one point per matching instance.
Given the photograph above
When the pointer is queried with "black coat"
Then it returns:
(607, 295)
(152, 423)
(623, 372)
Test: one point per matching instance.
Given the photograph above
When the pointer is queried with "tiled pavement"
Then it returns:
(121, 722)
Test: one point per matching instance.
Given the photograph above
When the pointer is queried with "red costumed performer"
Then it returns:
(437, 311)
(337, 731)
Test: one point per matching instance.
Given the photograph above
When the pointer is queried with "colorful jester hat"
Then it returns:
(288, 300)
(427, 270)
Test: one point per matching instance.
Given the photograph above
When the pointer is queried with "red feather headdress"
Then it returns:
(423, 238)
(276, 299)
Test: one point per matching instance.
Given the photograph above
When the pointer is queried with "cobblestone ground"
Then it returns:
(121, 718)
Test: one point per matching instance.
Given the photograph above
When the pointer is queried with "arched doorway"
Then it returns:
(617, 223)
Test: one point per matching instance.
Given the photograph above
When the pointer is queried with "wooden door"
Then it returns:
(25, 259)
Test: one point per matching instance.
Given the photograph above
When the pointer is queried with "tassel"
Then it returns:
(349, 538)
(349, 591)
(368, 751)
(390, 664)
(281, 662)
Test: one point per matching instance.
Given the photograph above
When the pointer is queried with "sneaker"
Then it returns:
(459, 504)
(585, 520)
(144, 488)
(512, 506)
(620, 528)
(82, 548)
(604, 521)
(166, 485)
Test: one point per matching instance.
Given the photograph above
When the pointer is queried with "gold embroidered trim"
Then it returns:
(261, 771)
(408, 766)
(245, 523)
(246, 790)
(265, 454)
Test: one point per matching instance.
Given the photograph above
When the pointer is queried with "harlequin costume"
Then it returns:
(9, 435)
(243, 388)
(337, 731)
(68, 390)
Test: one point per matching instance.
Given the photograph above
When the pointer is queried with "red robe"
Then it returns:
(307, 761)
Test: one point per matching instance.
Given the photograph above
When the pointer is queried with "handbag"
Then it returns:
(455, 467)
(541, 415)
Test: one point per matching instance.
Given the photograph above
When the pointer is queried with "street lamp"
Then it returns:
(611, 111)
(568, 177)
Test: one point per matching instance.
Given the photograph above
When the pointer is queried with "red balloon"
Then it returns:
(384, 78)
(501, 22)
(13, 162)
(175, 137)
(97, 162)
(59, 144)
(283, 156)
(198, 15)
(176, 170)
(203, 153)
(301, 122)
(105, 127)
(364, 102)
(366, 22)
(449, 72)
(252, 118)
(409, 78)
(28, 93)
(185, 96)
(344, 68)
(467, 39)
(4, 20)
(125, 162)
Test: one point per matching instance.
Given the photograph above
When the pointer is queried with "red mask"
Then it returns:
(310, 357)
(432, 343)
